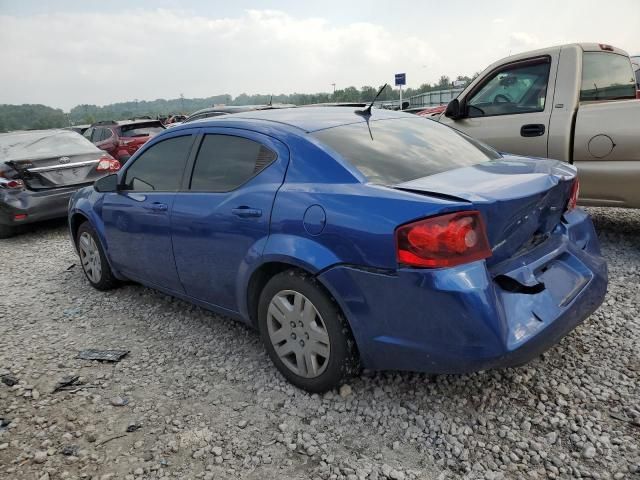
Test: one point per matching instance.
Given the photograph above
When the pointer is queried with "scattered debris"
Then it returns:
(66, 383)
(72, 266)
(133, 427)
(9, 380)
(102, 355)
(119, 401)
(70, 450)
(4, 423)
(109, 439)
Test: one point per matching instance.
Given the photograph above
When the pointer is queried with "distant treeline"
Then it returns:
(19, 117)
(30, 117)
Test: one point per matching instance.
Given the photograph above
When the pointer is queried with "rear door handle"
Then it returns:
(246, 212)
(532, 130)
(157, 207)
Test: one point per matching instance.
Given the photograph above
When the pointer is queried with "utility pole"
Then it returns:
(182, 102)
(334, 89)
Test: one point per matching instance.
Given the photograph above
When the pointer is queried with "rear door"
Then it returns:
(104, 139)
(220, 221)
(510, 110)
(137, 225)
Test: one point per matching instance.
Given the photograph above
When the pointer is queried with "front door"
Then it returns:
(220, 221)
(137, 219)
(511, 109)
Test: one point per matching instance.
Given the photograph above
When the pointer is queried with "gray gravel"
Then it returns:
(197, 397)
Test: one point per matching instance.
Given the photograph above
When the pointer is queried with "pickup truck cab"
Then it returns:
(576, 103)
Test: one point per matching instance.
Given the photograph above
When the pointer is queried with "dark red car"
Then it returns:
(122, 139)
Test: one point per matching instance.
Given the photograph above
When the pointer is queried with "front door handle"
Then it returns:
(246, 212)
(532, 130)
(157, 207)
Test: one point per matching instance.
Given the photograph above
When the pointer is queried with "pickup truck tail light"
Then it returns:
(575, 192)
(108, 164)
(443, 241)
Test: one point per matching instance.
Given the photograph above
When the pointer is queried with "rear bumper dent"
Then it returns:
(460, 320)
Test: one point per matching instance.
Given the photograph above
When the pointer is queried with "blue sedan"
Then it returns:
(350, 239)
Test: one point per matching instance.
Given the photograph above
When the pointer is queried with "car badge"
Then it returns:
(64, 160)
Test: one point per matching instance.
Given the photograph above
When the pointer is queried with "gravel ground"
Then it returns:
(198, 398)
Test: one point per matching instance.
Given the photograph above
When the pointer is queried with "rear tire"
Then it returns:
(7, 231)
(305, 333)
(93, 260)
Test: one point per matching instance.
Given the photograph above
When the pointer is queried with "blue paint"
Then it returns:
(318, 213)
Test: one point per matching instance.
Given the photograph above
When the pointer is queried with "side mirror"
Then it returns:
(108, 184)
(453, 110)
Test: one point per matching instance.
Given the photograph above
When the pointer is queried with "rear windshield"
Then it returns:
(399, 150)
(38, 144)
(141, 129)
(606, 76)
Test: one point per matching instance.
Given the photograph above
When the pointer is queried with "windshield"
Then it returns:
(399, 150)
(141, 129)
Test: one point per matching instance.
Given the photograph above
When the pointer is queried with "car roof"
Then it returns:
(308, 119)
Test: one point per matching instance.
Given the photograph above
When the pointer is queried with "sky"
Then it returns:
(64, 53)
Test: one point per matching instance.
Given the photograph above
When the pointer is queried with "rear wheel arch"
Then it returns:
(265, 272)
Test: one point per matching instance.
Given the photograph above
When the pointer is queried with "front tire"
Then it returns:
(93, 260)
(305, 333)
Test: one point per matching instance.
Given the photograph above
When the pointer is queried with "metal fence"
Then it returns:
(428, 99)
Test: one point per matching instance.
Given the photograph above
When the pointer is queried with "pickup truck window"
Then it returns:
(606, 76)
(512, 90)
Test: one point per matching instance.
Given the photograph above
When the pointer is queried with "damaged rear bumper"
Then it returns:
(36, 205)
(469, 318)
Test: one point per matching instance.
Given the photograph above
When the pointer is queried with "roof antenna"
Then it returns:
(367, 111)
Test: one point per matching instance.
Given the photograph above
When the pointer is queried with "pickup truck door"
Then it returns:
(510, 108)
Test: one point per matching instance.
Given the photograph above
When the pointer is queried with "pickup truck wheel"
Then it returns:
(305, 333)
(93, 260)
(7, 231)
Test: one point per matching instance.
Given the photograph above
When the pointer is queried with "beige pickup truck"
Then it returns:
(575, 103)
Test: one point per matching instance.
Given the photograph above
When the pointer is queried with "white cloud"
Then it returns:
(65, 59)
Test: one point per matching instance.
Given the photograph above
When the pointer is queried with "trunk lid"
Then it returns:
(51, 159)
(522, 199)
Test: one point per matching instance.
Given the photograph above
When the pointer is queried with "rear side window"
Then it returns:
(400, 150)
(160, 167)
(606, 76)
(225, 162)
(141, 129)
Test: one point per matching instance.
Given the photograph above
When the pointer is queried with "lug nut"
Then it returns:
(302, 343)
(300, 324)
(293, 335)
(293, 324)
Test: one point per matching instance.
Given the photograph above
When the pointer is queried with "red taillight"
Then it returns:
(443, 241)
(108, 164)
(575, 192)
(12, 184)
(20, 216)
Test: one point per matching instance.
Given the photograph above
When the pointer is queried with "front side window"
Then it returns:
(160, 167)
(606, 76)
(87, 133)
(225, 162)
(512, 90)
